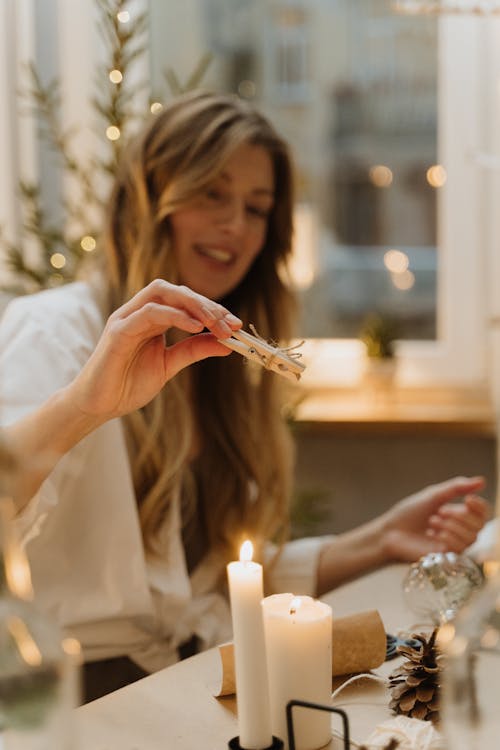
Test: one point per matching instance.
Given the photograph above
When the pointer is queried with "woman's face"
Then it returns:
(219, 234)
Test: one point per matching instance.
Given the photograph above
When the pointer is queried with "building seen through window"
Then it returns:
(353, 87)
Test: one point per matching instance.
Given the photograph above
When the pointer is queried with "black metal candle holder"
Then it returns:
(277, 744)
(317, 707)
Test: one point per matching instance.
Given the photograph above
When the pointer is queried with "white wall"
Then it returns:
(17, 134)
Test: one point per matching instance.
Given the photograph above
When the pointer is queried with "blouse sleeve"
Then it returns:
(295, 569)
(41, 351)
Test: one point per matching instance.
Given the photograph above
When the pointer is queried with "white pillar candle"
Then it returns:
(299, 657)
(252, 693)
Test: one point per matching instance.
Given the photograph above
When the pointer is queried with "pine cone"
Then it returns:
(415, 685)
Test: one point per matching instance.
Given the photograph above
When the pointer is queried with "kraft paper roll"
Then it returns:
(358, 645)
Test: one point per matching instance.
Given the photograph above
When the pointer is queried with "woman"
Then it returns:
(129, 534)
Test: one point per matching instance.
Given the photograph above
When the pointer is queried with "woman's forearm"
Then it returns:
(41, 438)
(350, 555)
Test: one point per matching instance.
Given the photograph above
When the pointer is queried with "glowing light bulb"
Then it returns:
(123, 16)
(436, 175)
(115, 76)
(113, 133)
(403, 281)
(88, 243)
(396, 261)
(380, 176)
(57, 260)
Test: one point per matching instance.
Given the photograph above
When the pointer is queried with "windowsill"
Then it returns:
(455, 411)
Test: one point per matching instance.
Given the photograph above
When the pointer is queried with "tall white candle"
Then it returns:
(299, 656)
(252, 693)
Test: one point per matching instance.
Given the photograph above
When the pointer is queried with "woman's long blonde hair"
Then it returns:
(243, 467)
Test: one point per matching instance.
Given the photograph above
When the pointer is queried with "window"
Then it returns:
(301, 60)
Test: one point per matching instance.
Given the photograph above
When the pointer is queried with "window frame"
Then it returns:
(458, 356)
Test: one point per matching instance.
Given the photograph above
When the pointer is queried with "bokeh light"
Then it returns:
(113, 133)
(57, 260)
(88, 243)
(403, 281)
(436, 175)
(380, 176)
(115, 76)
(396, 261)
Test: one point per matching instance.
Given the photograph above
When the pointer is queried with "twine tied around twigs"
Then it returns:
(269, 360)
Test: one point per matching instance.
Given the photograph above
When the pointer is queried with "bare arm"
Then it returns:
(128, 367)
(429, 521)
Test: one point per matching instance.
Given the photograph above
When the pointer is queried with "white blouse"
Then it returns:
(82, 532)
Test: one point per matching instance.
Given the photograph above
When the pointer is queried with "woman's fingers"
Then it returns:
(460, 534)
(459, 515)
(210, 314)
(479, 506)
(473, 512)
(455, 488)
(457, 525)
(153, 319)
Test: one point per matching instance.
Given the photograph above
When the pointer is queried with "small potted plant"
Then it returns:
(379, 333)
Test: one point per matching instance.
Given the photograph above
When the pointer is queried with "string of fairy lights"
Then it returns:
(88, 243)
(397, 261)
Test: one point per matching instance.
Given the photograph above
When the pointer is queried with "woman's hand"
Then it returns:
(128, 367)
(131, 362)
(433, 521)
(429, 521)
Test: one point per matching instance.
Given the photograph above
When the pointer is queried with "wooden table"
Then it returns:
(175, 709)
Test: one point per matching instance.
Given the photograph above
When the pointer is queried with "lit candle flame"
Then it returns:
(246, 551)
(295, 604)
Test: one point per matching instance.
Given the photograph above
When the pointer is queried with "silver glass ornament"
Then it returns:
(438, 584)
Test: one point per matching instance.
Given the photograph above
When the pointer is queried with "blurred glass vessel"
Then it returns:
(38, 668)
(470, 698)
